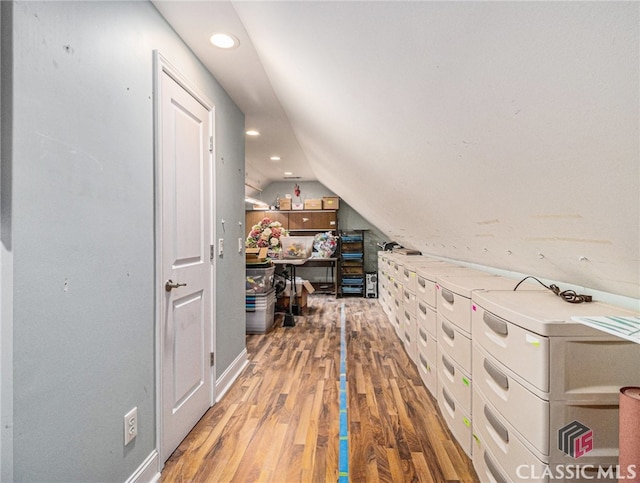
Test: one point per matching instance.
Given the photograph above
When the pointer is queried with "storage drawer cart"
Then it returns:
(535, 374)
(427, 359)
(455, 375)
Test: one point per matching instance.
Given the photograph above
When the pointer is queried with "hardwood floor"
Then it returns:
(280, 420)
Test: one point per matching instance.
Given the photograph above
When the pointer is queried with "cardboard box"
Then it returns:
(330, 202)
(298, 206)
(255, 255)
(312, 204)
(301, 295)
(301, 286)
(285, 203)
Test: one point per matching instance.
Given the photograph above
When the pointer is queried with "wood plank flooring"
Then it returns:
(280, 420)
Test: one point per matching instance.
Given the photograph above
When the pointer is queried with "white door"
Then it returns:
(184, 127)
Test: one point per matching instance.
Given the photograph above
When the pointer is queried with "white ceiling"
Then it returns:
(500, 133)
(241, 73)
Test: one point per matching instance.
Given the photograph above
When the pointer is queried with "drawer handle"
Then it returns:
(424, 363)
(422, 308)
(448, 330)
(496, 425)
(422, 282)
(496, 374)
(449, 366)
(496, 324)
(407, 338)
(449, 400)
(406, 295)
(423, 335)
(447, 295)
(406, 273)
(492, 469)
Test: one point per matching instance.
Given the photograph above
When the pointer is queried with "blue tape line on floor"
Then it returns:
(343, 456)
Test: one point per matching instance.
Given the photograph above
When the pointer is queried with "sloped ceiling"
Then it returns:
(500, 133)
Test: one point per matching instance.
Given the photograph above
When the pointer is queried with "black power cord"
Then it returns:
(567, 295)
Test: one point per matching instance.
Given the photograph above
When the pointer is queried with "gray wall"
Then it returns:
(83, 233)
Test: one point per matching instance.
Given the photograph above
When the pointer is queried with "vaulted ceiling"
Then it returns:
(499, 133)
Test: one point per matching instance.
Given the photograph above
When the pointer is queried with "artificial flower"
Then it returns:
(267, 234)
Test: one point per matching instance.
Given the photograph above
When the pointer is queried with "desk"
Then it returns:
(290, 268)
(325, 262)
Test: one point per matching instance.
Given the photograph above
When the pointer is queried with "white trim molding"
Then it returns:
(229, 376)
(147, 472)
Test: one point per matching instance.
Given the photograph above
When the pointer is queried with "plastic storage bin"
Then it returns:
(296, 247)
(259, 280)
(260, 312)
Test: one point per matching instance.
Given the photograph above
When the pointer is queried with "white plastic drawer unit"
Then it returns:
(396, 270)
(486, 467)
(427, 344)
(428, 373)
(455, 380)
(516, 328)
(455, 343)
(396, 288)
(524, 352)
(426, 316)
(528, 413)
(410, 334)
(426, 273)
(397, 306)
(457, 419)
(409, 279)
(429, 272)
(426, 291)
(409, 300)
(453, 294)
(398, 324)
(493, 433)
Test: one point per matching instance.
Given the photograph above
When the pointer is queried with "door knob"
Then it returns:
(170, 285)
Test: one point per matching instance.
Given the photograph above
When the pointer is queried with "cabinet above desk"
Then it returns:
(297, 220)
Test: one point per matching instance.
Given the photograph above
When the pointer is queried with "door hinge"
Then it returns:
(210, 144)
(212, 358)
(211, 252)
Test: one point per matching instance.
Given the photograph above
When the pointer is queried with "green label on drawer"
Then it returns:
(476, 438)
(466, 422)
(534, 341)
(465, 381)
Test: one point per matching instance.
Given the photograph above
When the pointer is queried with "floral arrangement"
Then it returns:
(325, 244)
(267, 234)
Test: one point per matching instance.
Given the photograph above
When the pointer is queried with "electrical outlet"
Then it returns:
(130, 425)
(240, 244)
(220, 246)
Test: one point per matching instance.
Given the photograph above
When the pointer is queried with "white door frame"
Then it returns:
(162, 65)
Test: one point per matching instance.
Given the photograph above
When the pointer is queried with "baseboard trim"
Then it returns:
(229, 376)
(147, 472)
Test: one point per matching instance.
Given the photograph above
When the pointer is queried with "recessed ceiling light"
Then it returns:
(252, 132)
(275, 158)
(224, 40)
(288, 173)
